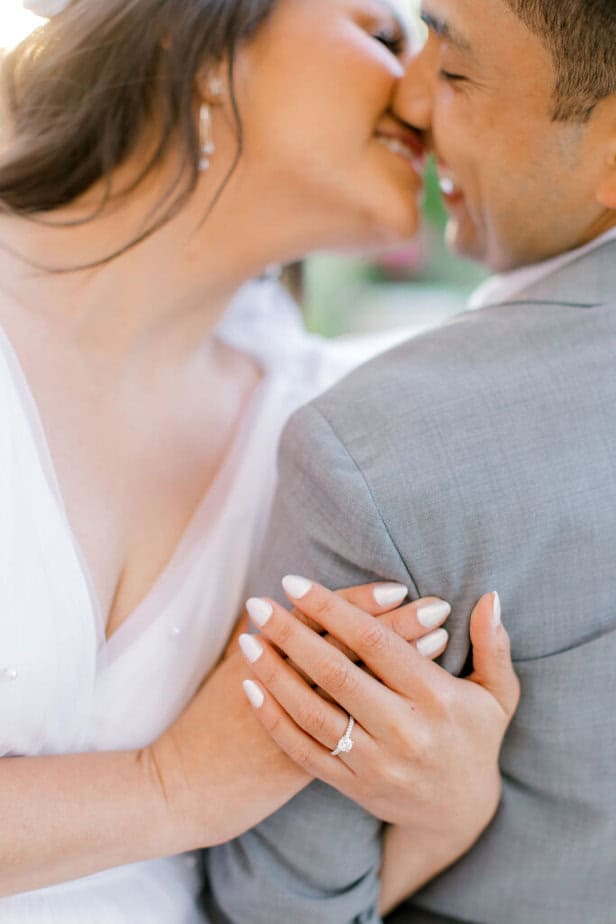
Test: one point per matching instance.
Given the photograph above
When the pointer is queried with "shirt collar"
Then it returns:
(504, 286)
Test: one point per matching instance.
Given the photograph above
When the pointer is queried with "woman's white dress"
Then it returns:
(63, 687)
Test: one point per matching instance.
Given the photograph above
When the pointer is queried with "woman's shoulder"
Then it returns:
(263, 320)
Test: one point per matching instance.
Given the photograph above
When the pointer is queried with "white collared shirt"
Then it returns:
(502, 287)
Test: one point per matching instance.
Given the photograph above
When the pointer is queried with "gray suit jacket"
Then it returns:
(480, 456)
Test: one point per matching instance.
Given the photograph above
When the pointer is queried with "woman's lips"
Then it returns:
(406, 145)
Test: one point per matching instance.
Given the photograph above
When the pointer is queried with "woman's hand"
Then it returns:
(425, 744)
(415, 622)
(200, 762)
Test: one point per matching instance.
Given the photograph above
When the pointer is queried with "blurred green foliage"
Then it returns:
(340, 289)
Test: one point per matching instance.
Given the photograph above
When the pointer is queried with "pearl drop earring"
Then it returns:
(215, 89)
(208, 148)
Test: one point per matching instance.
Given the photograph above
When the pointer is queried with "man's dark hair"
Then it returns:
(581, 36)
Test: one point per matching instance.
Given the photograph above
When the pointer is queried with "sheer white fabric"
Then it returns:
(63, 688)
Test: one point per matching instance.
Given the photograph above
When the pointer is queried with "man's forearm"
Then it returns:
(409, 862)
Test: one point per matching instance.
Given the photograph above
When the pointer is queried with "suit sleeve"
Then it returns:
(318, 857)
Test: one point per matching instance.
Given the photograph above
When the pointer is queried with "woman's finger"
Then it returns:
(431, 646)
(492, 664)
(377, 598)
(414, 622)
(303, 750)
(388, 656)
(360, 695)
(322, 720)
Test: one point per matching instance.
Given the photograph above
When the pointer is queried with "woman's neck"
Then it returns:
(124, 308)
(162, 297)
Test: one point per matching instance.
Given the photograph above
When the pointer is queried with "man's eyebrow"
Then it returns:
(446, 31)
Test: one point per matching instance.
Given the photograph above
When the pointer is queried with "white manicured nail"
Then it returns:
(497, 616)
(433, 614)
(254, 693)
(390, 594)
(430, 644)
(259, 611)
(296, 587)
(251, 647)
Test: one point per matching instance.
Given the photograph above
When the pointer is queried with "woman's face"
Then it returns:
(325, 153)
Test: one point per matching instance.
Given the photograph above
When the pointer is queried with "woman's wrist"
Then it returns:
(182, 825)
(70, 816)
(199, 767)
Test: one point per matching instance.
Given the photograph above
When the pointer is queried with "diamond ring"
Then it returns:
(346, 742)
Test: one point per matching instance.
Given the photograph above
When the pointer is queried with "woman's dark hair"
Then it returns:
(81, 92)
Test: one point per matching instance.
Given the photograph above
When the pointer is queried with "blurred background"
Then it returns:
(412, 287)
(15, 23)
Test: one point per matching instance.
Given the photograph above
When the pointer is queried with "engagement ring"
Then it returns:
(346, 742)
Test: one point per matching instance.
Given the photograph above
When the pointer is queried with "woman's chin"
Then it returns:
(394, 219)
(393, 230)
(366, 230)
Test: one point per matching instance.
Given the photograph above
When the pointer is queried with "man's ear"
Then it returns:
(606, 190)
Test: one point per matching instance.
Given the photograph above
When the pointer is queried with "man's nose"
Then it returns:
(414, 99)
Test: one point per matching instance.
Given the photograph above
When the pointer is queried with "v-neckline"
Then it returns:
(179, 561)
(202, 521)
(48, 469)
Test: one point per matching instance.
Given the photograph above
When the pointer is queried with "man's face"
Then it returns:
(518, 186)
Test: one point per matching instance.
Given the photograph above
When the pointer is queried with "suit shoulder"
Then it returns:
(482, 361)
(424, 371)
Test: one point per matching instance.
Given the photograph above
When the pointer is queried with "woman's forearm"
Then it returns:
(222, 771)
(213, 775)
(69, 816)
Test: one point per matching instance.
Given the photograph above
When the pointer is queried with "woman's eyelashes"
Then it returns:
(393, 39)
